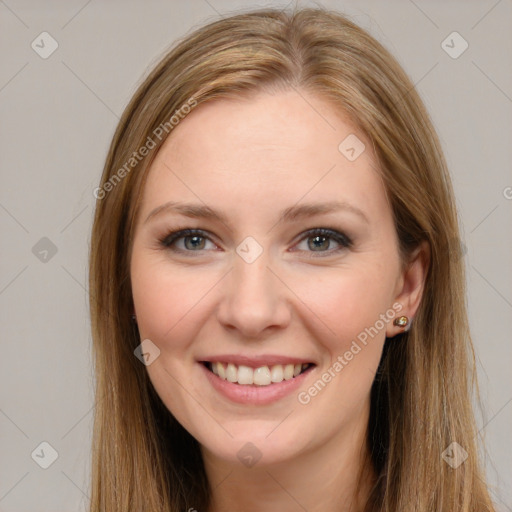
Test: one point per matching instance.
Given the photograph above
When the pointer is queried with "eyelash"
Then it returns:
(343, 240)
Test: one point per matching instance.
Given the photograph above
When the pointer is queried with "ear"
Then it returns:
(410, 286)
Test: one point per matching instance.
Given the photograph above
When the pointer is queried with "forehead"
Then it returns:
(288, 124)
(265, 152)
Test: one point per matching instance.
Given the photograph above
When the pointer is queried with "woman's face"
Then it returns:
(255, 286)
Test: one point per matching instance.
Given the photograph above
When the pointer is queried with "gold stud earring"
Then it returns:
(401, 321)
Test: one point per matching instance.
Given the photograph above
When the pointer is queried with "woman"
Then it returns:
(278, 315)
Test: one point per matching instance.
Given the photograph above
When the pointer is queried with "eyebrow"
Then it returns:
(287, 215)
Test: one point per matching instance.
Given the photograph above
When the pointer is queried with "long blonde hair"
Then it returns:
(421, 398)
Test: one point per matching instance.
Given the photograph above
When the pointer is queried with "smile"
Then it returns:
(264, 375)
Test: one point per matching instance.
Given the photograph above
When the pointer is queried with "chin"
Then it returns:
(254, 444)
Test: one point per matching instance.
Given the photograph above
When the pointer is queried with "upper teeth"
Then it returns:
(262, 376)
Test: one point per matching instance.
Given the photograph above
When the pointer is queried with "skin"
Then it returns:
(250, 158)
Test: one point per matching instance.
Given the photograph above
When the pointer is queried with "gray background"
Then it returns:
(57, 118)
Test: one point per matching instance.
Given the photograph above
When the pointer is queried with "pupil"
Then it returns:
(194, 245)
(321, 245)
(319, 242)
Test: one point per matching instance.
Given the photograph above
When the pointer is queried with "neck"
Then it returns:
(335, 476)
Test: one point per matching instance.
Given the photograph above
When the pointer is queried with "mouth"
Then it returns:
(263, 375)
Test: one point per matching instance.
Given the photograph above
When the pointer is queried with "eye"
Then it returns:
(193, 240)
(319, 240)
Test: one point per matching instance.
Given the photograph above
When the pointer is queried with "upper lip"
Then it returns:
(255, 361)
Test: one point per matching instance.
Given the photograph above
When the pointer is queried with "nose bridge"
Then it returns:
(251, 279)
(254, 298)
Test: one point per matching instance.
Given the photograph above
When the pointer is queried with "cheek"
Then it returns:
(346, 300)
(167, 298)
(355, 306)
(168, 302)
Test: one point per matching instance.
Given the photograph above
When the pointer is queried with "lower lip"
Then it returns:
(252, 394)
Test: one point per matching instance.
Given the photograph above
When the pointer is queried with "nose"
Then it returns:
(254, 300)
